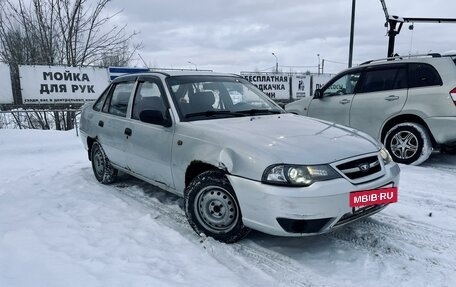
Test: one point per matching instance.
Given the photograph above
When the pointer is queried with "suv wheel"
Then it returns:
(408, 143)
(212, 208)
(102, 168)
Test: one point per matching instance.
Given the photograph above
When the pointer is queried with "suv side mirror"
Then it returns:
(318, 94)
(154, 117)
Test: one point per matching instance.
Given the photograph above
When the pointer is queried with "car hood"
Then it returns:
(287, 138)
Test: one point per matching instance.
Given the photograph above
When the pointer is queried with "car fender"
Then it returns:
(299, 107)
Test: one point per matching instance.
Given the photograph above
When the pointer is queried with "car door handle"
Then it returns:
(101, 123)
(128, 132)
(344, 101)
(392, 98)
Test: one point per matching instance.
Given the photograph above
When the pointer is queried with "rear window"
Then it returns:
(423, 75)
(117, 102)
(99, 103)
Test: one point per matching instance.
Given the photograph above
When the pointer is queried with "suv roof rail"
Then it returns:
(433, 55)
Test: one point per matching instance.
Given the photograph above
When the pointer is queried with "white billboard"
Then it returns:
(276, 86)
(300, 86)
(61, 85)
(6, 92)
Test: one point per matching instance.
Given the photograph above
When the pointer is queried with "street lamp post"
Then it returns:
(352, 32)
(318, 55)
(196, 68)
(277, 63)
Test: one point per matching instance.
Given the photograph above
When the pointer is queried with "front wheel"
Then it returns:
(408, 143)
(212, 208)
(102, 168)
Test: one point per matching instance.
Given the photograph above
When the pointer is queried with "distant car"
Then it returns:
(408, 103)
(238, 165)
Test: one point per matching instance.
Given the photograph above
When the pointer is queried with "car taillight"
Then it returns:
(453, 95)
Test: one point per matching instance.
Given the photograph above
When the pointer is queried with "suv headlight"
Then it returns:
(385, 155)
(298, 175)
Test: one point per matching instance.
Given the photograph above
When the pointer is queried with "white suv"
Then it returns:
(408, 103)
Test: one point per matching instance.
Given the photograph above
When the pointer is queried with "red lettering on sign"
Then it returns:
(374, 196)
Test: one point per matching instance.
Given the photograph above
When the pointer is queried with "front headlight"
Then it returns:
(298, 175)
(385, 155)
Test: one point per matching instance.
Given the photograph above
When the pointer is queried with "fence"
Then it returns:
(62, 119)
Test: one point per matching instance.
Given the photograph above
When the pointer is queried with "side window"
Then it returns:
(117, 102)
(99, 103)
(148, 97)
(423, 75)
(385, 79)
(345, 85)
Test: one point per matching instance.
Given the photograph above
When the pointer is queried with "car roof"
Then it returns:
(398, 60)
(171, 73)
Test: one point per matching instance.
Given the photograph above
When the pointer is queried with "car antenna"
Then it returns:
(144, 62)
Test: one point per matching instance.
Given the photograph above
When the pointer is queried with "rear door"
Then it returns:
(381, 94)
(112, 122)
(336, 99)
(149, 146)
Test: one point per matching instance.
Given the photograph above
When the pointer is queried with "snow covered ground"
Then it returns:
(60, 227)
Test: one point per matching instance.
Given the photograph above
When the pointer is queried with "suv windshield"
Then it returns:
(211, 97)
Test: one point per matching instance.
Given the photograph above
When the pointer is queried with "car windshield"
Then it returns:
(211, 97)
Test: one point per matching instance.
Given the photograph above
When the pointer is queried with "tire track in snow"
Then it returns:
(385, 239)
(286, 271)
(436, 235)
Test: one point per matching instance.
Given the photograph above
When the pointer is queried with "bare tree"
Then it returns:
(65, 32)
(73, 33)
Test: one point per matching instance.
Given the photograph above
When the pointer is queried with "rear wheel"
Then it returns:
(212, 208)
(408, 143)
(101, 166)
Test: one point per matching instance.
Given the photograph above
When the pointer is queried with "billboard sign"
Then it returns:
(6, 92)
(61, 85)
(276, 86)
(300, 86)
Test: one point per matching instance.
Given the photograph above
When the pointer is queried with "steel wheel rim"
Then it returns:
(404, 145)
(216, 210)
(98, 163)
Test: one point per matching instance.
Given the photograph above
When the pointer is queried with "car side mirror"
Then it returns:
(318, 94)
(155, 117)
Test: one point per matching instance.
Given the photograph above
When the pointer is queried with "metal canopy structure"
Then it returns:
(394, 24)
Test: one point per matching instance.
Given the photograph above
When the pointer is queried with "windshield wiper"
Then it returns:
(258, 112)
(215, 113)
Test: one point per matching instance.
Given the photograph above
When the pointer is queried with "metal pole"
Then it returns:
(391, 37)
(352, 31)
(196, 67)
(277, 63)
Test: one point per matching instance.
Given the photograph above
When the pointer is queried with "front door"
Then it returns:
(337, 96)
(149, 146)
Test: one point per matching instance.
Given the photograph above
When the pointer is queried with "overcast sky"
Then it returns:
(240, 35)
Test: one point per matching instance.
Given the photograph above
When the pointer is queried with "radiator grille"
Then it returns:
(361, 167)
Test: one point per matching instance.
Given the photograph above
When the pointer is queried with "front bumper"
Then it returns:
(300, 211)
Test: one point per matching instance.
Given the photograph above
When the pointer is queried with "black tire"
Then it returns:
(408, 143)
(212, 208)
(102, 169)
